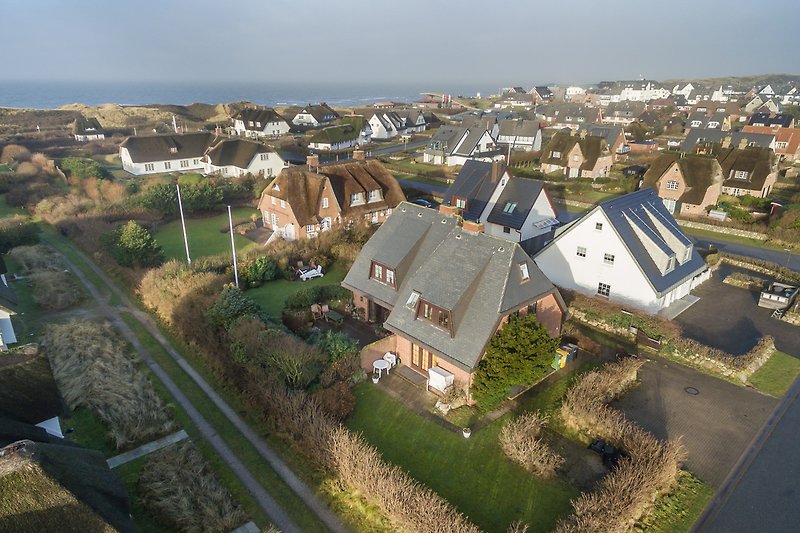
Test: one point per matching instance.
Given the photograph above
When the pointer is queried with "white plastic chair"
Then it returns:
(390, 358)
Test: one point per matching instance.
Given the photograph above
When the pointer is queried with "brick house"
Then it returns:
(301, 203)
(577, 156)
(687, 184)
(787, 140)
(444, 289)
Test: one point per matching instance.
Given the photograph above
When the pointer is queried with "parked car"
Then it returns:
(311, 273)
(423, 202)
(610, 454)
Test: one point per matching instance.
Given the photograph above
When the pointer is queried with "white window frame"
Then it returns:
(149, 167)
(581, 251)
(604, 289)
(608, 259)
(523, 272)
(325, 202)
(672, 185)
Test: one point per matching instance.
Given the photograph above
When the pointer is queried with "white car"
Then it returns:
(311, 273)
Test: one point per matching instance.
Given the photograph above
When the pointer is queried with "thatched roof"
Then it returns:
(757, 162)
(84, 126)
(562, 142)
(335, 134)
(258, 116)
(47, 487)
(235, 152)
(699, 173)
(149, 148)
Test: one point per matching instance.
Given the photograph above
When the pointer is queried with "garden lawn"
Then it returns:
(474, 474)
(777, 374)
(272, 295)
(205, 235)
(8, 211)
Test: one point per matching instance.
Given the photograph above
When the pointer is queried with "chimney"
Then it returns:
(742, 143)
(583, 134)
(312, 161)
(359, 155)
(497, 170)
(472, 227)
(726, 142)
(448, 210)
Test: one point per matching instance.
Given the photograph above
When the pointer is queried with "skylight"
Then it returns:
(509, 208)
(523, 271)
(412, 300)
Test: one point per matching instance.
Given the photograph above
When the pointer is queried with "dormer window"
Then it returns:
(258, 124)
(250, 123)
(555, 154)
(435, 315)
(523, 272)
(173, 149)
(374, 196)
(740, 174)
(382, 274)
(461, 203)
(357, 198)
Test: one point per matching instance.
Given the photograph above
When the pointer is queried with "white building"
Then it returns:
(87, 129)
(315, 116)
(260, 123)
(642, 91)
(629, 250)
(454, 146)
(152, 154)
(386, 125)
(235, 157)
(520, 134)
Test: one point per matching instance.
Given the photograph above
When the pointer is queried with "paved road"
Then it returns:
(436, 190)
(278, 515)
(762, 492)
(776, 256)
(388, 150)
(716, 425)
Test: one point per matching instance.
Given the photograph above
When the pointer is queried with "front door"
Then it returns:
(573, 172)
(421, 359)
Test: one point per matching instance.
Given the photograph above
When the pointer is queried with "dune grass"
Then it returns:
(204, 235)
(777, 374)
(474, 475)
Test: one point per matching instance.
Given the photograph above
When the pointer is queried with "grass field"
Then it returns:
(679, 510)
(729, 238)
(777, 374)
(272, 295)
(473, 474)
(8, 211)
(205, 237)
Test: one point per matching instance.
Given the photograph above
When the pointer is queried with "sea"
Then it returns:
(54, 94)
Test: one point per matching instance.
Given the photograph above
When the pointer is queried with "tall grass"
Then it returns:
(55, 291)
(37, 258)
(521, 442)
(179, 488)
(92, 369)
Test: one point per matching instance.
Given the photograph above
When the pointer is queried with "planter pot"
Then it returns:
(466, 432)
(375, 379)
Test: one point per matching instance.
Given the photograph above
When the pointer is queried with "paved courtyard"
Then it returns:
(729, 318)
(716, 424)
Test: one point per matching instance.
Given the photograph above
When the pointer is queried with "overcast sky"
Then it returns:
(430, 42)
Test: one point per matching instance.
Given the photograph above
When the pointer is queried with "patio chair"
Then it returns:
(390, 358)
(316, 312)
(324, 310)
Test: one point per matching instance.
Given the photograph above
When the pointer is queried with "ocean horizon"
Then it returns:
(55, 94)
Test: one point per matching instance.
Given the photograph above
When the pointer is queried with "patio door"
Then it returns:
(421, 359)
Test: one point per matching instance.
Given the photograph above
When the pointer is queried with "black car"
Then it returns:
(610, 454)
(423, 202)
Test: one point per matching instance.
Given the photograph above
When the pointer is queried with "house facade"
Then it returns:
(315, 116)
(153, 154)
(386, 124)
(746, 171)
(260, 123)
(444, 290)
(787, 141)
(236, 157)
(355, 131)
(577, 156)
(520, 134)
(301, 203)
(87, 129)
(629, 250)
(687, 184)
(455, 145)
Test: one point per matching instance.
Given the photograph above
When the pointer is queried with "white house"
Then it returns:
(414, 120)
(151, 154)
(7, 301)
(260, 123)
(629, 250)
(454, 146)
(386, 124)
(87, 129)
(520, 134)
(354, 132)
(235, 157)
(641, 91)
(315, 116)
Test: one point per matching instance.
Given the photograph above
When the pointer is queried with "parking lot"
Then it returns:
(728, 318)
(715, 419)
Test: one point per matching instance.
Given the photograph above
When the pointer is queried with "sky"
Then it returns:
(491, 43)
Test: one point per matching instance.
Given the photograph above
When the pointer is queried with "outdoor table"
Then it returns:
(380, 365)
(335, 316)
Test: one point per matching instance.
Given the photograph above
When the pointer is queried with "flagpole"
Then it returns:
(183, 225)
(233, 249)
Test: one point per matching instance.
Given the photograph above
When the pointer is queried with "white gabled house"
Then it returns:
(354, 132)
(151, 154)
(455, 145)
(386, 125)
(315, 116)
(629, 250)
(235, 157)
(260, 123)
(87, 129)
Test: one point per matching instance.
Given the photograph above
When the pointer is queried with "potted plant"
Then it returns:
(466, 432)
(375, 378)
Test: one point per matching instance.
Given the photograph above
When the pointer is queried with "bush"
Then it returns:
(327, 294)
(37, 258)
(178, 487)
(55, 291)
(13, 153)
(259, 270)
(164, 289)
(297, 362)
(335, 344)
(92, 370)
(134, 246)
(230, 305)
(81, 168)
(520, 441)
(518, 354)
(337, 401)
(17, 231)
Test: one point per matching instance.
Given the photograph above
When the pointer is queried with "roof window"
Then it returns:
(523, 272)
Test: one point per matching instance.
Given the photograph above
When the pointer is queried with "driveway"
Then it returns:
(716, 425)
(729, 318)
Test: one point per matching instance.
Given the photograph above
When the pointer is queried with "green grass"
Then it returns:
(27, 322)
(89, 432)
(729, 238)
(5, 168)
(777, 374)
(272, 295)
(677, 511)
(67, 248)
(205, 237)
(129, 473)
(473, 474)
(8, 211)
(252, 460)
(590, 197)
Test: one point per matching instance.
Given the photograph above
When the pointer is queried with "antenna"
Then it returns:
(233, 249)
(183, 225)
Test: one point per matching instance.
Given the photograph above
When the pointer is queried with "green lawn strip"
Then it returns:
(677, 511)
(89, 431)
(718, 235)
(272, 295)
(777, 374)
(9, 211)
(205, 235)
(129, 473)
(472, 474)
(242, 447)
(27, 322)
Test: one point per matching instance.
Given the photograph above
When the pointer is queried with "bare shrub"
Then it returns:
(520, 441)
(177, 484)
(37, 258)
(517, 527)
(56, 210)
(408, 505)
(14, 153)
(27, 168)
(55, 291)
(43, 163)
(337, 401)
(92, 370)
(163, 288)
(298, 363)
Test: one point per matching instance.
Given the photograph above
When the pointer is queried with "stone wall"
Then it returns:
(742, 366)
(722, 229)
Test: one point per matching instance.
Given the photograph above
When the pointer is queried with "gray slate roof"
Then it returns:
(521, 193)
(262, 116)
(519, 127)
(474, 182)
(698, 135)
(473, 275)
(235, 152)
(150, 148)
(609, 133)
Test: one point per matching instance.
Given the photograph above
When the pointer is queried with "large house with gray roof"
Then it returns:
(236, 157)
(444, 289)
(629, 250)
(265, 122)
(741, 139)
(152, 154)
(520, 134)
(455, 145)
(511, 208)
(315, 116)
